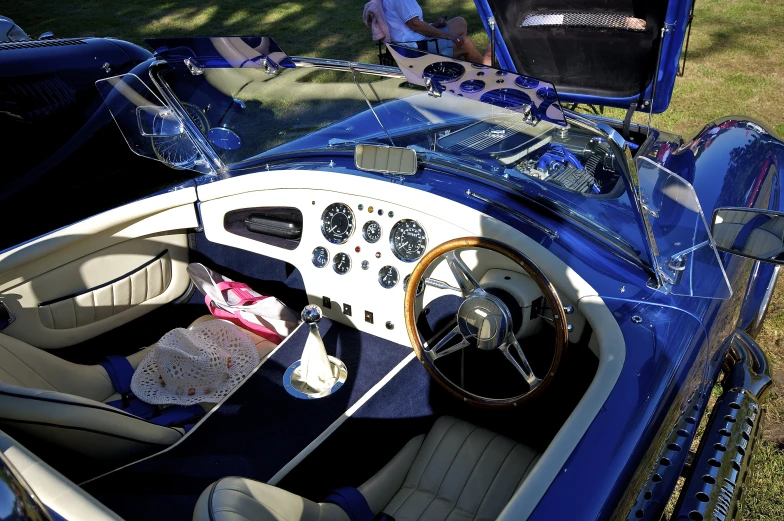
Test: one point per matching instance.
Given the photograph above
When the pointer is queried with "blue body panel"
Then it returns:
(677, 20)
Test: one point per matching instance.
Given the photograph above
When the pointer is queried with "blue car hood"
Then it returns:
(602, 52)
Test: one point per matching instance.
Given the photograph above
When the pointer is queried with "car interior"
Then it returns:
(115, 283)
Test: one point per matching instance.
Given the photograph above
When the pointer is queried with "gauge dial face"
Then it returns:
(445, 72)
(337, 223)
(388, 277)
(320, 256)
(341, 263)
(408, 240)
(371, 231)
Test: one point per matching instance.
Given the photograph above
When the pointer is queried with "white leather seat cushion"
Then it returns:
(458, 472)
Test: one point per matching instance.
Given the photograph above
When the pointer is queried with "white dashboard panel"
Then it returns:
(441, 218)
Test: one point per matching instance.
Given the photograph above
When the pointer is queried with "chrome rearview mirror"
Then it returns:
(158, 121)
(749, 232)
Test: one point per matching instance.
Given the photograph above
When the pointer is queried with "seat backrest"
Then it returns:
(85, 426)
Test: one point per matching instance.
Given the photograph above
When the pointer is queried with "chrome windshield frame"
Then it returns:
(203, 146)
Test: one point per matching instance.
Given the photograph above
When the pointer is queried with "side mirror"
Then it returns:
(748, 232)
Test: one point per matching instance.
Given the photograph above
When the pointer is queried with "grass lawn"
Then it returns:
(735, 66)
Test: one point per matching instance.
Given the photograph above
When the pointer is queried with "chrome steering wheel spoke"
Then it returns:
(438, 349)
(465, 279)
(514, 353)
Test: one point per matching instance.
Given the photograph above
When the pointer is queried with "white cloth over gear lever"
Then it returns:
(316, 374)
(315, 368)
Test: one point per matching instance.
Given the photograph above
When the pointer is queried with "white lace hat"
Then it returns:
(190, 366)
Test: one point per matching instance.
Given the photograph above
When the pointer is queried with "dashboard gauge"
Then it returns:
(444, 72)
(420, 286)
(320, 256)
(337, 223)
(341, 263)
(388, 277)
(371, 231)
(408, 240)
(179, 150)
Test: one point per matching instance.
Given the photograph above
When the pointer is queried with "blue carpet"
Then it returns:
(255, 433)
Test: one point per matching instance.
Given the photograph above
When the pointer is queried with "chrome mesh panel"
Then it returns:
(599, 20)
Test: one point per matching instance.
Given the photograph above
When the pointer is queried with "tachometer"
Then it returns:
(388, 277)
(408, 240)
(371, 231)
(337, 223)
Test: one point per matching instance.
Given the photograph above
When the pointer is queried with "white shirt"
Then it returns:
(397, 13)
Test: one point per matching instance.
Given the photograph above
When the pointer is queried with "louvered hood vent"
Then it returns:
(34, 44)
(33, 98)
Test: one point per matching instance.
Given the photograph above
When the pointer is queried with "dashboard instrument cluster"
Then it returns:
(407, 240)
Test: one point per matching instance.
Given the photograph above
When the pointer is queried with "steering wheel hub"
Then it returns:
(485, 319)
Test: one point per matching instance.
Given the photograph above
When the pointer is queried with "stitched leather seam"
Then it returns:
(84, 429)
(106, 408)
(209, 499)
(121, 277)
(438, 489)
(457, 501)
(434, 451)
(497, 472)
(27, 365)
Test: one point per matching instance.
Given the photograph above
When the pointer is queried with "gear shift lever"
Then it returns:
(316, 374)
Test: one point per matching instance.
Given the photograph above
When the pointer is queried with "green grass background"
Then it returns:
(735, 66)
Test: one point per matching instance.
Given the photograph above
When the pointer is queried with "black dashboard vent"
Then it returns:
(34, 44)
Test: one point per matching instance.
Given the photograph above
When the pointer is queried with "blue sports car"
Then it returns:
(522, 310)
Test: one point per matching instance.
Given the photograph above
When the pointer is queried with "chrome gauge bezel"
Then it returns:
(392, 239)
(313, 256)
(383, 270)
(365, 233)
(335, 263)
(352, 223)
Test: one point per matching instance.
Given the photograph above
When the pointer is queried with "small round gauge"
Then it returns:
(337, 223)
(371, 231)
(444, 72)
(388, 277)
(341, 263)
(408, 240)
(320, 256)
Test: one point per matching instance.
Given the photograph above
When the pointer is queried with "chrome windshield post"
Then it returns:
(212, 158)
(628, 166)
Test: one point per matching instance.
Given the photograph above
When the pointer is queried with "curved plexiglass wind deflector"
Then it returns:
(685, 254)
(150, 128)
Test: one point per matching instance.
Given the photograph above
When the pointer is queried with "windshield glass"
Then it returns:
(259, 115)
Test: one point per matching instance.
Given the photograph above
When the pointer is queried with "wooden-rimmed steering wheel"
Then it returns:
(483, 321)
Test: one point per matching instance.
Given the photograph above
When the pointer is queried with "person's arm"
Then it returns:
(425, 29)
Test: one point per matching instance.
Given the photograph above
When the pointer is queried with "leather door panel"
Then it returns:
(100, 273)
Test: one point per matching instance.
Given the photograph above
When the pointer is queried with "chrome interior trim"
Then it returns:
(171, 101)
(500, 206)
(345, 65)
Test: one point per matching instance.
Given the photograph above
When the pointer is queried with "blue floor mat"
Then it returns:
(253, 434)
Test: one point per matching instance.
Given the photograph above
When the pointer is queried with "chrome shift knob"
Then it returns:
(311, 314)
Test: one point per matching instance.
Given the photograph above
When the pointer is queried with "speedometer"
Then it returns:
(408, 240)
(337, 223)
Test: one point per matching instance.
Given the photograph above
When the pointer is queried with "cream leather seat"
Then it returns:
(64, 404)
(458, 472)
